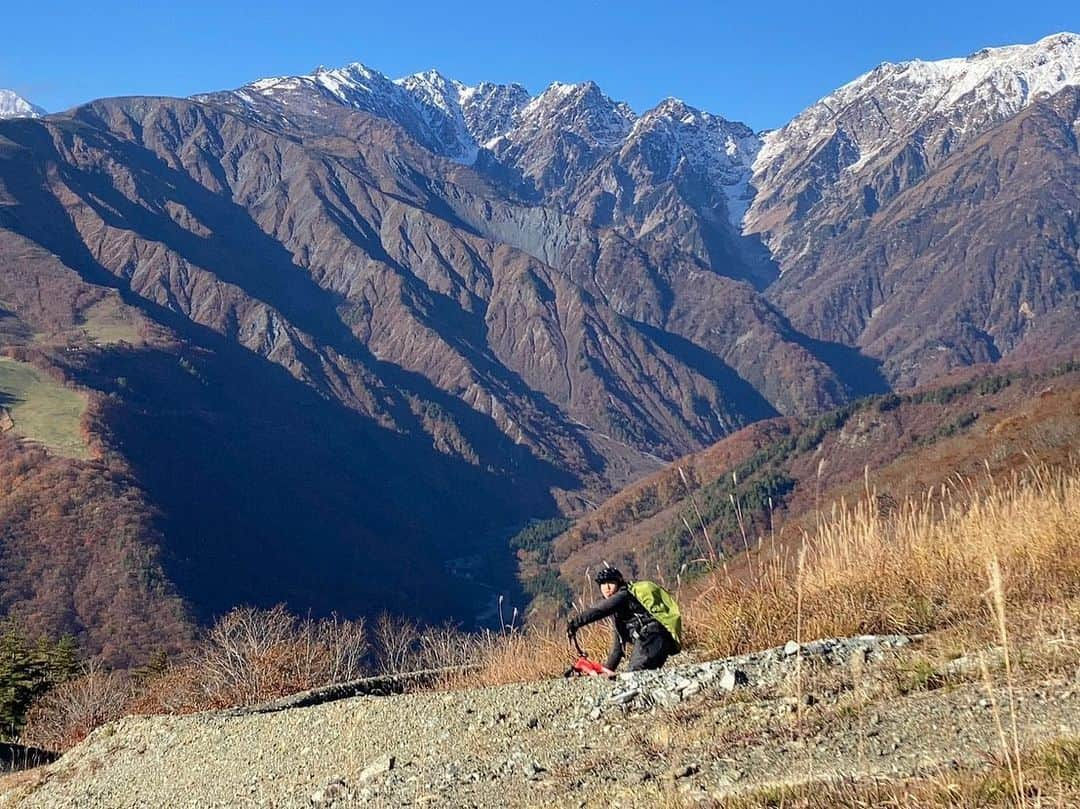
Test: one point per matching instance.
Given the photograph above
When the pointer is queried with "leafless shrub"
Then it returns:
(177, 691)
(397, 642)
(254, 655)
(346, 648)
(66, 714)
(445, 646)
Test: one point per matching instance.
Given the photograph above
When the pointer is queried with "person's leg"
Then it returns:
(651, 651)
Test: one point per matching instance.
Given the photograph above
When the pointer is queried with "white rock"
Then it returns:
(727, 680)
(379, 766)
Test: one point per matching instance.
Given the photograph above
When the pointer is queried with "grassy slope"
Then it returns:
(43, 410)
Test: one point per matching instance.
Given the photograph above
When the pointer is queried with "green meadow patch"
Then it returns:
(42, 409)
(107, 323)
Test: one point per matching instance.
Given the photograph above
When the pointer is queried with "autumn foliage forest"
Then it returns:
(76, 560)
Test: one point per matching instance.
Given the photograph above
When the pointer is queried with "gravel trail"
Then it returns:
(549, 743)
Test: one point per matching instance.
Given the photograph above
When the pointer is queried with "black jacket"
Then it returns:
(630, 620)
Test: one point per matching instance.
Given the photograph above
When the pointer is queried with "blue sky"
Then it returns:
(756, 62)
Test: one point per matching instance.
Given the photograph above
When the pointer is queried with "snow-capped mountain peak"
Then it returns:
(934, 104)
(492, 110)
(721, 150)
(581, 109)
(443, 114)
(893, 99)
(13, 105)
(434, 88)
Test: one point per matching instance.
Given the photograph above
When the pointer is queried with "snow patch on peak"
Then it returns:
(993, 83)
(721, 150)
(492, 110)
(13, 105)
(443, 114)
(439, 101)
(431, 85)
(582, 109)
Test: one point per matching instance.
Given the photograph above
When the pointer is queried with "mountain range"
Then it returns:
(338, 335)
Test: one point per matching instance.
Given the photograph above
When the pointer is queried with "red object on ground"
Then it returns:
(590, 668)
(585, 667)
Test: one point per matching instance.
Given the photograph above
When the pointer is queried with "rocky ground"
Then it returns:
(866, 708)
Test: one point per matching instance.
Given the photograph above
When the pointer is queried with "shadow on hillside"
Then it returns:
(860, 373)
(735, 389)
(239, 252)
(268, 491)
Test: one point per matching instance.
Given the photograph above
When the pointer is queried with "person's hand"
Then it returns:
(572, 626)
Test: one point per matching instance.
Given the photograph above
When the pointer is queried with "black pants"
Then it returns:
(651, 649)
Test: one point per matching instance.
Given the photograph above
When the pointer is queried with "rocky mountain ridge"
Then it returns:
(750, 205)
(940, 104)
(870, 114)
(341, 315)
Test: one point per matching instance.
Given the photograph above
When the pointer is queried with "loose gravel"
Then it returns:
(702, 730)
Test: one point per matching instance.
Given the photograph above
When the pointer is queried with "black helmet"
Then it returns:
(609, 574)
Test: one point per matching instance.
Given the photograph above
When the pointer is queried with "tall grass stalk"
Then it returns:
(712, 551)
(798, 630)
(996, 596)
(737, 508)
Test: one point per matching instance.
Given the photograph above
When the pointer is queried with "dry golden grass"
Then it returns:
(526, 655)
(44, 410)
(922, 568)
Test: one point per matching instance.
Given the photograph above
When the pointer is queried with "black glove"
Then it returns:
(572, 626)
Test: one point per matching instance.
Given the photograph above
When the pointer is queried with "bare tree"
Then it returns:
(66, 714)
(444, 646)
(252, 655)
(397, 641)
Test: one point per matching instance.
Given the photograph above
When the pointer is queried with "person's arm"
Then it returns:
(601, 609)
(617, 647)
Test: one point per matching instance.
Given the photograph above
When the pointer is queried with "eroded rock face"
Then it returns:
(826, 200)
(974, 262)
(368, 345)
(926, 212)
(326, 263)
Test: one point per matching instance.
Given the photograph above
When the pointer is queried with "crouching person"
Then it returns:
(643, 614)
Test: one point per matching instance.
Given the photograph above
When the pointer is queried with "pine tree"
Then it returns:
(63, 660)
(28, 672)
(157, 665)
(19, 677)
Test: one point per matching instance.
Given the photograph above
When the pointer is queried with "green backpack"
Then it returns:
(660, 605)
